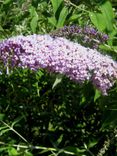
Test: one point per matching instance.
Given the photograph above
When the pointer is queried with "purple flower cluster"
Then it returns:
(86, 36)
(61, 56)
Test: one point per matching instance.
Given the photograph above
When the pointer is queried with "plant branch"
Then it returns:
(38, 148)
(11, 128)
(72, 4)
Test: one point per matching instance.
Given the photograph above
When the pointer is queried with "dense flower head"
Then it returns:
(60, 55)
(87, 36)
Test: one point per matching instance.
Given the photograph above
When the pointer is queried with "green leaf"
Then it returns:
(107, 12)
(34, 20)
(3, 149)
(62, 17)
(97, 95)
(103, 20)
(74, 17)
(57, 81)
(12, 151)
(98, 20)
(92, 143)
(1, 29)
(50, 127)
(52, 20)
(2, 116)
(59, 140)
(16, 121)
(7, 1)
(112, 49)
(110, 120)
(27, 154)
(56, 4)
(74, 150)
(4, 131)
(32, 11)
(33, 24)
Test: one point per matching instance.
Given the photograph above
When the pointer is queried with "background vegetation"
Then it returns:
(67, 119)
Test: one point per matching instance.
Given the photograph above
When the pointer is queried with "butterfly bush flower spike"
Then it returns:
(86, 36)
(59, 55)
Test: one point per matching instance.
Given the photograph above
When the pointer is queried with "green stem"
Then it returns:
(38, 148)
(11, 128)
(69, 2)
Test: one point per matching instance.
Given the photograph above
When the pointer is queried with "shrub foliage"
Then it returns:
(48, 114)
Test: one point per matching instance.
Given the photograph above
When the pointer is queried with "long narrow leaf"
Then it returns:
(62, 17)
(56, 4)
(52, 20)
(108, 15)
(98, 20)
